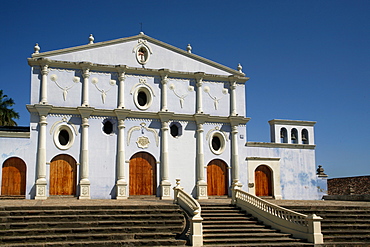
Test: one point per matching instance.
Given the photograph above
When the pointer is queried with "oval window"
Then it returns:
(216, 143)
(142, 98)
(63, 137)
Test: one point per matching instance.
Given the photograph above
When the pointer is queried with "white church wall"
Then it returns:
(122, 53)
(181, 95)
(216, 100)
(35, 85)
(182, 157)
(103, 90)
(298, 179)
(64, 87)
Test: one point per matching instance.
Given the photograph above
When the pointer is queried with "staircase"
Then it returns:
(107, 225)
(227, 225)
(341, 225)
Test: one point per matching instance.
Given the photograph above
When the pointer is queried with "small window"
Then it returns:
(283, 135)
(142, 99)
(217, 142)
(294, 136)
(63, 137)
(108, 127)
(304, 136)
(176, 129)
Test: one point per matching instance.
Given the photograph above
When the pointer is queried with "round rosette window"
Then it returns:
(143, 98)
(64, 137)
(217, 143)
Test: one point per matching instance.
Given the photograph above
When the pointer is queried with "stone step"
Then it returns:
(83, 230)
(89, 212)
(247, 235)
(228, 222)
(97, 243)
(69, 218)
(268, 244)
(223, 241)
(237, 230)
(348, 238)
(85, 237)
(97, 222)
(234, 226)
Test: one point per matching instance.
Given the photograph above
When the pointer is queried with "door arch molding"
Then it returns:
(217, 178)
(142, 174)
(13, 181)
(63, 175)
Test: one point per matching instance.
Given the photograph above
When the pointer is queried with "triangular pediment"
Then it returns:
(139, 51)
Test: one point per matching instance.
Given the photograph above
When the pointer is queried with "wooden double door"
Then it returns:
(217, 178)
(263, 181)
(63, 175)
(143, 174)
(13, 182)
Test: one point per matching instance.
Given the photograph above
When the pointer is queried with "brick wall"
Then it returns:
(349, 186)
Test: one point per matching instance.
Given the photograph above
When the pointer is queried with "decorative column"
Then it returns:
(201, 183)
(121, 87)
(165, 183)
(84, 153)
(164, 75)
(233, 111)
(44, 83)
(199, 77)
(121, 184)
(85, 85)
(43, 111)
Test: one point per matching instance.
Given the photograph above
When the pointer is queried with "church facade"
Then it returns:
(128, 117)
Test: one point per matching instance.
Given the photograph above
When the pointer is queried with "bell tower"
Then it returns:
(292, 131)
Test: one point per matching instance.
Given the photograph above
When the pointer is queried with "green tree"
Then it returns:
(7, 114)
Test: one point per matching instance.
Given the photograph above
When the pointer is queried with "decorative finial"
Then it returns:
(91, 39)
(36, 48)
(188, 48)
(320, 172)
(142, 33)
(240, 68)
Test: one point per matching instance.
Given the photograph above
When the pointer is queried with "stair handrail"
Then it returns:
(193, 209)
(300, 225)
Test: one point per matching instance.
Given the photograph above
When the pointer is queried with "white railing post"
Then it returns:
(314, 229)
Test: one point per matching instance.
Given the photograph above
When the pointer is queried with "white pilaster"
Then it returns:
(121, 184)
(85, 86)
(41, 153)
(164, 75)
(44, 84)
(201, 183)
(233, 98)
(121, 87)
(199, 77)
(84, 153)
(165, 183)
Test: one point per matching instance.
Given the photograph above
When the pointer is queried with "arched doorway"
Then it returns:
(217, 178)
(13, 182)
(263, 181)
(143, 175)
(63, 175)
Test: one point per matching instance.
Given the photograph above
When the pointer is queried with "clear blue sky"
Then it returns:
(307, 60)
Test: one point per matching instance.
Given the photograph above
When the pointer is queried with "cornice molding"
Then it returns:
(137, 37)
(279, 145)
(138, 114)
(263, 158)
(292, 122)
(132, 70)
(9, 134)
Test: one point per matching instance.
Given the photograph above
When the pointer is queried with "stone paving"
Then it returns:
(155, 201)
